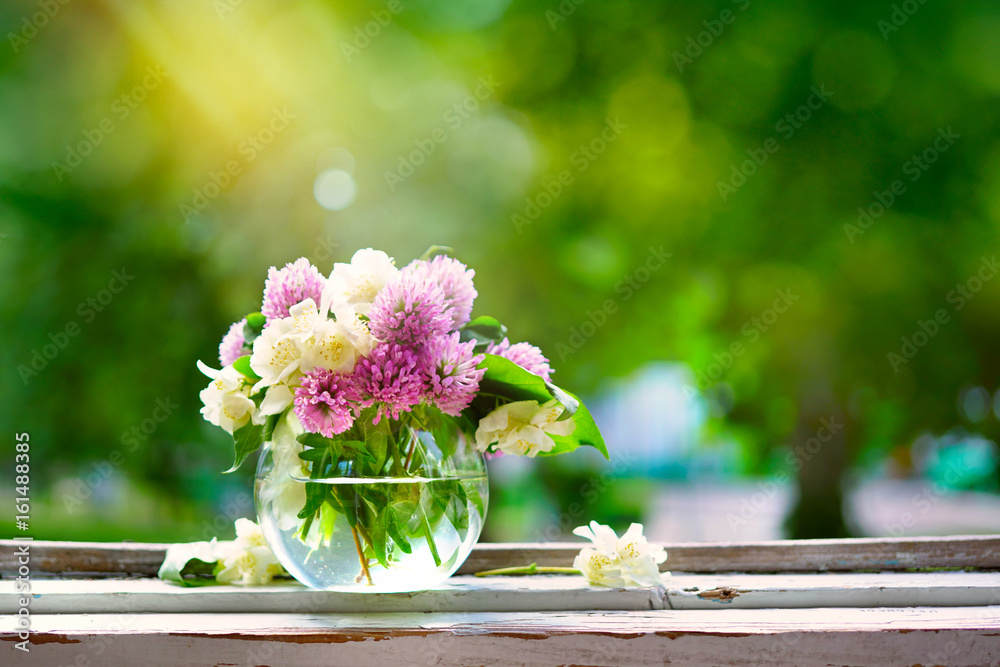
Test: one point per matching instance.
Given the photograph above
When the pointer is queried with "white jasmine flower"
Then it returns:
(249, 534)
(331, 345)
(600, 569)
(277, 398)
(357, 329)
(618, 562)
(252, 566)
(227, 398)
(247, 560)
(296, 344)
(640, 560)
(523, 427)
(277, 352)
(285, 495)
(355, 285)
(605, 540)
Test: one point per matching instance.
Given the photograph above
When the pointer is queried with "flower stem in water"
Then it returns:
(361, 556)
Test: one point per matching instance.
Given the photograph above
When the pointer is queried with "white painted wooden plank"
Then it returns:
(957, 637)
(738, 621)
(790, 591)
(537, 593)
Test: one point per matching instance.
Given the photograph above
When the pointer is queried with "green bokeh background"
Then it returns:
(694, 90)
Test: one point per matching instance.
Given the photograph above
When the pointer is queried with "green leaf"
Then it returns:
(347, 500)
(314, 454)
(189, 564)
(333, 500)
(395, 531)
(377, 533)
(506, 379)
(327, 521)
(483, 330)
(315, 440)
(253, 328)
(358, 446)
(446, 435)
(406, 514)
(246, 439)
(428, 531)
(336, 448)
(376, 438)
(472, 493)
(315, 497)
(243, 366)
(269, 425)
(457, 509)
(585, 433)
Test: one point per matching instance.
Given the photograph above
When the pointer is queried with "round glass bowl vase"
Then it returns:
(399, 511)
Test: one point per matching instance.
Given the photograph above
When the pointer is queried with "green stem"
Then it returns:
(527, 569)
(430, 537)
(304, 528)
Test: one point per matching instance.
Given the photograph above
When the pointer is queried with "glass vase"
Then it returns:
(398, 510)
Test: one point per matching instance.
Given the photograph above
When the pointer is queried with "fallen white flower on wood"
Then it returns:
(246, 560)
(618, 562)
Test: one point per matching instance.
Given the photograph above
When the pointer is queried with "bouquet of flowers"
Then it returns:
(352, 367)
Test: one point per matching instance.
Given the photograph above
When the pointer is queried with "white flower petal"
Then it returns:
(210, 372)
(524, 428)
(226, 400)
(247, 560)
(629, 559)
(277, 398)
(599, 569)
(355, 285)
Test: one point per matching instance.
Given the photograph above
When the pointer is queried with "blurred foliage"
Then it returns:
(181, 143)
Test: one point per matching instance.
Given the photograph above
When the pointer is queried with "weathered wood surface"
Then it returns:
(844, 555)
(801, 591)
(458, 594)
(527, 594)
(957, 637)
(883, 554)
